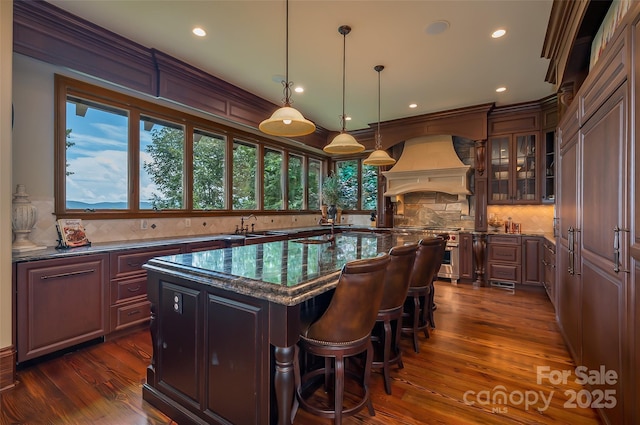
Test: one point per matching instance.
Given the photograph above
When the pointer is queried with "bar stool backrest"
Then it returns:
(396, 281)
(426, 262)
(354, 305)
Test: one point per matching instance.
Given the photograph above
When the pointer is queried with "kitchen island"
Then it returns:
(225, 323)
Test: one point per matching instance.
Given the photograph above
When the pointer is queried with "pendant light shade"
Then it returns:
(379, 157)
(287, 121)
(344, 143)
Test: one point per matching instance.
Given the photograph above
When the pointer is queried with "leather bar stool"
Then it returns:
(432, 292)
(396, 285)
(415, 313)
(342, 331)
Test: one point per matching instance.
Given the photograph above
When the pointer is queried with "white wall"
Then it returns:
(6, 49)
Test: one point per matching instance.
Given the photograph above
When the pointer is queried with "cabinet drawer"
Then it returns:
(122, 290)
(129, 262)
(505, 253)
(130, 314)
(504, 239)
(204, 246)
(504, 272)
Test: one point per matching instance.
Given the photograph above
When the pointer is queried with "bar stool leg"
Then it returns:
(387, 353)
(416, 320)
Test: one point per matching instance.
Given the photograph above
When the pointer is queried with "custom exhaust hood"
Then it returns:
(428, 164)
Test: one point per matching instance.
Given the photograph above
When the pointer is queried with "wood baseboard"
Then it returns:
(7, 368)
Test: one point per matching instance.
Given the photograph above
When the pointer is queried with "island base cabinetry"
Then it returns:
(211, 359)
(60, 303)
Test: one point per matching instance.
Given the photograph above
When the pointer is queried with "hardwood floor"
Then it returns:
(487, 340)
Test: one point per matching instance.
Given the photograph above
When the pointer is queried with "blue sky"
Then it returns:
(98, 159)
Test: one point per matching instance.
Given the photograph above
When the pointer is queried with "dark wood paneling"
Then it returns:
(607, 79)
(233, 354)
(180, 324)
(7, 368)
(466, 256)
(49, 34)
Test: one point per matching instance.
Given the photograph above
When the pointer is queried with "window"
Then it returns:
(296, 183)
(347, 171)
(117, 156)
(360, 184)
(314, 182)
(162, 163)
(273, 193)
(96, 159)
(245, 164)
(369, 187)
(209, 159)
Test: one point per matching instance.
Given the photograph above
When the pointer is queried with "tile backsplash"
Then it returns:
(44, 231)
(532, 218)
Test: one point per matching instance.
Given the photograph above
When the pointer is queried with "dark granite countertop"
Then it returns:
(106, 247)
(284, 272)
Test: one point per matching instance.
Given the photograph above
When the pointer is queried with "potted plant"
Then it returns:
(331, 194)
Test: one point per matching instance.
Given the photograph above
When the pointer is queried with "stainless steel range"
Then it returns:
(450, 268)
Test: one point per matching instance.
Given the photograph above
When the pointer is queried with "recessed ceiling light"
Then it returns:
(199, 32)
(501, 89)
(413, 105)
(299, 89)
(437, 27)
(498, 33)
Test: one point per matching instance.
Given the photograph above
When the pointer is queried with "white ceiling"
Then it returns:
(245, 46)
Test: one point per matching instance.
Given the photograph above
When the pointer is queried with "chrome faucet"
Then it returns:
(243, 228)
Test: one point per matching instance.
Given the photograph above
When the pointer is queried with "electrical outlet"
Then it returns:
(187, 222)
(177, 302)
(144, 225)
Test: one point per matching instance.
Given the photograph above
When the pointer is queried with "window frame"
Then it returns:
(65, 86)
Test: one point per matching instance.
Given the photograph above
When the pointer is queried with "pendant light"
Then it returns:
(287, 121)
(344, 143)
(379, 157)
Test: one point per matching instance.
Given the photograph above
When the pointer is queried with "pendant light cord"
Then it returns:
(286, 83)
(344, 30)
(379, 68)
(344, 72)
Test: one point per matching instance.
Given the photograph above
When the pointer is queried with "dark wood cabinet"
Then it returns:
(594, 217)
(531, 264)
(61, 303)
(128, 284)
(504, 260)
(549, 269)
(465, 249)
(514, 259)
(204, 339)
(205, 245)
(514, 169)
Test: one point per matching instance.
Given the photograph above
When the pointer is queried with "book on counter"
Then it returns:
(72, 233)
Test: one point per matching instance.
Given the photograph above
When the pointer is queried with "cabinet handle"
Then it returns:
(570, 231)
(133, 312)
(616, 249)
(134, 289)
(76, 273)
(130, 264)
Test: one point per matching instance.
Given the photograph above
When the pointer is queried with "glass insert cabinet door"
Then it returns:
(513, 169)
